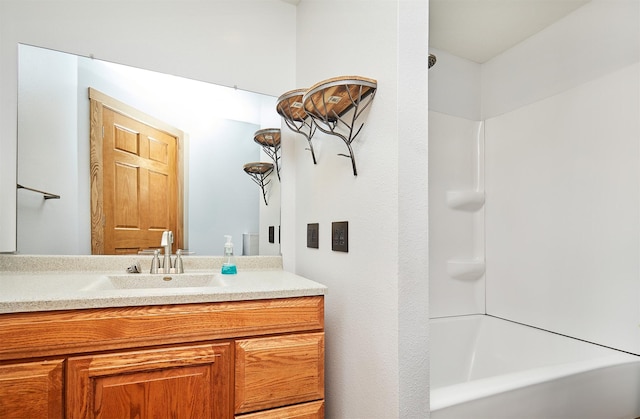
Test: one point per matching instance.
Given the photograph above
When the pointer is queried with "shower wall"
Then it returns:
(562, 218)
(456, 227)
(561, 226)
(563, 177)
(456, 230)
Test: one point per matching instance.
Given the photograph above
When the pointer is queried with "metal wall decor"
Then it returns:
(269, 139)
(259, 172)
(289, 106)
(329, 103)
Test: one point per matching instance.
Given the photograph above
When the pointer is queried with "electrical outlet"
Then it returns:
(312, 235)
(340, 236)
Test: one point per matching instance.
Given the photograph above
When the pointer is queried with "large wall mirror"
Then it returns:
(54, 152)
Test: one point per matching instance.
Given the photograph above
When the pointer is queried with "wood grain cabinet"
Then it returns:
(190, 382)
(31, 390)
(279, 371)
(248, 359)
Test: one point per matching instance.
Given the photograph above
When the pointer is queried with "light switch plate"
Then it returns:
(340, 236)
(312, 235)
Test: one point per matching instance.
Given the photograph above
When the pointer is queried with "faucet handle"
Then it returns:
(179, 267)
(155, 262)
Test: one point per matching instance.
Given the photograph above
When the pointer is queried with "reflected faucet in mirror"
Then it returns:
(167, 241)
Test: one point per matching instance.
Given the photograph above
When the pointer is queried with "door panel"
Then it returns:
(126, 206)
(136, 189)
(31, 390)
(181, 382)
(278, 371)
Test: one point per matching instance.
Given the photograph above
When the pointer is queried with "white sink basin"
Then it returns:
(149, 281)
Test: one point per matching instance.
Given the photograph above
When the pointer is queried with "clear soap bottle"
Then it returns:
(229, 263)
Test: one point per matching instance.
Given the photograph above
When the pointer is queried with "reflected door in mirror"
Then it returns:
(140, 182)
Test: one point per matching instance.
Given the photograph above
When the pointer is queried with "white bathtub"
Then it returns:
(486, 367)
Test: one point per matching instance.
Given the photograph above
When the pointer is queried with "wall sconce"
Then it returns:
(329, 102)
(289, 106)
(259, 172)
(269, 139)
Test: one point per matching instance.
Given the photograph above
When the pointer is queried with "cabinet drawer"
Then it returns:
(278, 371)
(311, 410)
(188, 381)
(31, 390)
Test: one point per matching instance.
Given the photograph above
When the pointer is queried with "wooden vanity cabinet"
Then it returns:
(190, 381)
(31, 390)
(278, 371)
(246, 359)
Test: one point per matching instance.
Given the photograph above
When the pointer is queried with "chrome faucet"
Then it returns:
(167, 240)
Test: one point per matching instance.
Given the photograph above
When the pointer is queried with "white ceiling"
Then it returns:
(478, 30)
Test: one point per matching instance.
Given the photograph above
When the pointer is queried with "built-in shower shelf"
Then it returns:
(465, 200)
(465, 269)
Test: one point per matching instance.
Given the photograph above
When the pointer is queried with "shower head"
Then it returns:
(432, 60)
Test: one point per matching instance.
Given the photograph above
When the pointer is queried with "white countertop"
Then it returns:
(27, 285)
(38, 291)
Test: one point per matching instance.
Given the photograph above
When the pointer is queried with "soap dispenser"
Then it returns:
(229, 263)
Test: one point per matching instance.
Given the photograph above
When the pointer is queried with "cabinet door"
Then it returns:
(31, 390)
(279, 371)
(177, 382)
(312, 410)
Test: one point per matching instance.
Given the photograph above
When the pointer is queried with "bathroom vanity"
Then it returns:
(250, 348)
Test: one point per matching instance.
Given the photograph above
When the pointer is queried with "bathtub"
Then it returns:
(486, 367)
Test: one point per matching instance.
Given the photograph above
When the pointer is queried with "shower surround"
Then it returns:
(558, 222)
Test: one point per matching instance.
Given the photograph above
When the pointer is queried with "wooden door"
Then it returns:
(138, 181)
(179, 382)
(31, 390)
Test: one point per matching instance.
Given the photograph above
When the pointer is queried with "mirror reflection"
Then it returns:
(218, 124)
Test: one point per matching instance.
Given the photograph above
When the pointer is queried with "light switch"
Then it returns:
(340, 236)
(312, 235)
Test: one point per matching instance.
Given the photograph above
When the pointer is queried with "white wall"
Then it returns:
(590, 42)
(376, 355)
(455, 86)
(50, 226)
(222, 42)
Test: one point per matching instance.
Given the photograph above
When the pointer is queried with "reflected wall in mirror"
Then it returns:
(53, 152)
